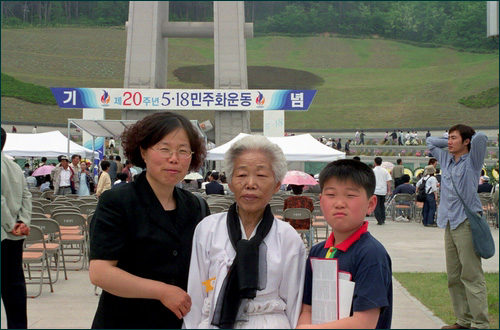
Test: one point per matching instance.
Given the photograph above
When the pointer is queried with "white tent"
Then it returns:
(297, 148)
(50, 144)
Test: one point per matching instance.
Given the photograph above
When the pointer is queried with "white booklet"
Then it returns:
(332, 291)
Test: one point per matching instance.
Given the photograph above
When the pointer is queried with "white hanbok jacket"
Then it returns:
(277, 306)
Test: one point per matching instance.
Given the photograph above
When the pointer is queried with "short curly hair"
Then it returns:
(151, 130)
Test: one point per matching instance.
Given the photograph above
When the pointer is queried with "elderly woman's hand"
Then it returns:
(177, 300)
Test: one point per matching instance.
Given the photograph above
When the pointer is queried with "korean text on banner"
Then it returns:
(180, 99)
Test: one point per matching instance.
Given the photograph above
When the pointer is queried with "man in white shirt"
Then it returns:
(382, 188)
(64, 178)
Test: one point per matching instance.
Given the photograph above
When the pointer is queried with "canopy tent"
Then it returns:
(101, 127)
(105, 127)
(49, 144)
(299, 148)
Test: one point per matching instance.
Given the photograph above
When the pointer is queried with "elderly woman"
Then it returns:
(141, 233)
(247, 267)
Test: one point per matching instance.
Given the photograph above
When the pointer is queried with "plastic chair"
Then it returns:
(291, 216)
(54, 246)
(32, 258)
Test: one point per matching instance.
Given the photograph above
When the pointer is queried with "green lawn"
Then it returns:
(361, 83)
(432, 290)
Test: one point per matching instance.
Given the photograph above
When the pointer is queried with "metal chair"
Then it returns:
(47, 194)
(47, 209)
(294, 215)
(36, 208)
(35, 193)
(488, 208)
(277, 210)
(87, 208)
(214, 208)
(54, 246)
(40, 257)
(319, 221)
(403, 202)
(71, 240)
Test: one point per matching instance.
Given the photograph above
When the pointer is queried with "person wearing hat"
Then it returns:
(64, 179)
(431, 189)
(485, 186)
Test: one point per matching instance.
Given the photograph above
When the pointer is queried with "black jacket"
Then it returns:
(131, 226)
(214, 188)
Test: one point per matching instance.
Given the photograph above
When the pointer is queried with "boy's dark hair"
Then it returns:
(122, 176)
(378, 161)
(432, 161)
(105, 165)
(349, 170)
(356, 158)
(399, 160)
(44, 159)
(215, 175)
(406, 178)
(466, 132)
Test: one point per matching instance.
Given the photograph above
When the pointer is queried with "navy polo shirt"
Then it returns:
(368, 262)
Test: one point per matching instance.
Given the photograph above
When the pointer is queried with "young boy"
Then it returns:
(347, 196)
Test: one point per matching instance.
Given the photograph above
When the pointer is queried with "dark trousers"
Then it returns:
(380, 209)
(429, 210)
(13, 284)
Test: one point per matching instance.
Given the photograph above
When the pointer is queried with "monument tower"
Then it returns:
(148, 30)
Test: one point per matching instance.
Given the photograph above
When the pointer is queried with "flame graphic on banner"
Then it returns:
(105, 98)
(260, 100)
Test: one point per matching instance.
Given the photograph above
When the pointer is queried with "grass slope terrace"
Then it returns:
(361, 83)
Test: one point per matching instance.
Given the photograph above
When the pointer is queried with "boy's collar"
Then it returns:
(345, 245)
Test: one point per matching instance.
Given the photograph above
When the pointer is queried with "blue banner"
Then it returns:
(181, 99)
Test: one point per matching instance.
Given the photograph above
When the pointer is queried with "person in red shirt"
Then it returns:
(298, 201)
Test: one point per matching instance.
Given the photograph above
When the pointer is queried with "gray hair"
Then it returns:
(257, 143)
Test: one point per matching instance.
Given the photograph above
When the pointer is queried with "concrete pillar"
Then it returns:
(147, 51)
(230, 65)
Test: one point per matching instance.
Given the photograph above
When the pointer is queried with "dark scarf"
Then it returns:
(248, 271)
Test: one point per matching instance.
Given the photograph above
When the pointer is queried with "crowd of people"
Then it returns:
(76, 176)
(163, 261)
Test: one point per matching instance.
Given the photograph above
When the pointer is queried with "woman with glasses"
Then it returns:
(141, 233)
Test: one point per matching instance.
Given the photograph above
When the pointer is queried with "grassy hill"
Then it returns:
(361, 83)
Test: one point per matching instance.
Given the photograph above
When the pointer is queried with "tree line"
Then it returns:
(459, 24)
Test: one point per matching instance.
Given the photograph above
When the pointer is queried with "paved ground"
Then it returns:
(412, 247)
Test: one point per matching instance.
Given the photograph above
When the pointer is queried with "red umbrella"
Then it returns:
(43, 170)
(299, 178)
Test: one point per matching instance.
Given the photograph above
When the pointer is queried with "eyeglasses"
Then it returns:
(183, 153)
